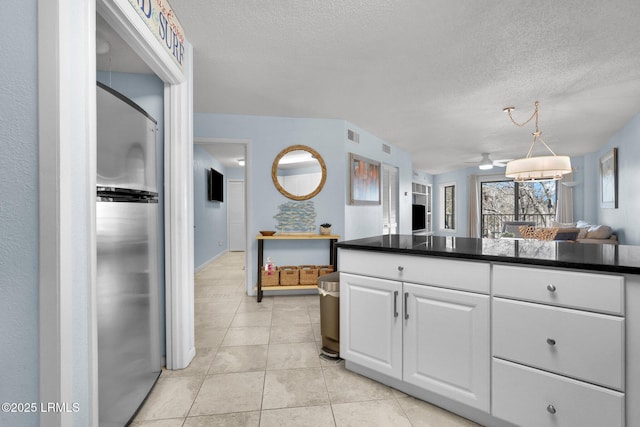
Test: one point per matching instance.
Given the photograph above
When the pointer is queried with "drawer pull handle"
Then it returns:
(551, 288)
(400, 268)
(395, 303)
(551, 409)
(551, 341)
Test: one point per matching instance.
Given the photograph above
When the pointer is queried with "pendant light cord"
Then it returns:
(536, 134)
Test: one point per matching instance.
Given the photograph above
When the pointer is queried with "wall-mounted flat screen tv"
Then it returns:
(216, 186)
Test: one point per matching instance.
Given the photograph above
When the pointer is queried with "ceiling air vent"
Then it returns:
(353, 136)
(386, 148)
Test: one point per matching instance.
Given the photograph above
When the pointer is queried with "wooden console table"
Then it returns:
(333, 258)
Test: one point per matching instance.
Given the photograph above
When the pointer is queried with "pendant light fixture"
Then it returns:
(539, 168)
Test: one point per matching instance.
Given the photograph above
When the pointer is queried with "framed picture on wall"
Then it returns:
(364, 181)
(609, 179)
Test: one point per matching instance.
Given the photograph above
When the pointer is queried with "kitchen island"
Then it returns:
(501, 331)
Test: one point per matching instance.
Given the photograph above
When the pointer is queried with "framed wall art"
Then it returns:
(364, 181)
(609, 179)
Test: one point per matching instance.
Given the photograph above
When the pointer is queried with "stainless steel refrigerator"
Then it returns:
(129, 353)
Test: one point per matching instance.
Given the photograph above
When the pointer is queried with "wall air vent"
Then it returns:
(386, 148)
(353, 136)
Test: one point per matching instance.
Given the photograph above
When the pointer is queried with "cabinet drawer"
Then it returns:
(594, 292)
(530, 397)
(579, 344)
(453, 274)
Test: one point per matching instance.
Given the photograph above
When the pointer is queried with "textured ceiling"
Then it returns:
(431, 76)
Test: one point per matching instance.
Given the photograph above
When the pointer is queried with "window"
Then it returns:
(449, 207)
(500, 201)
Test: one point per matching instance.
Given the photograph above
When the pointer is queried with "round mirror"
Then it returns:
(298, 172)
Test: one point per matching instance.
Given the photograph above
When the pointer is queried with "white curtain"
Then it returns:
(564, 210)
(474, 207)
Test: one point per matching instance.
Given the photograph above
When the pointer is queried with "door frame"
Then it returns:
(67, 168)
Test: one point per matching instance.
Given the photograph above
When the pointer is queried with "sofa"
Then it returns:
(584, 232)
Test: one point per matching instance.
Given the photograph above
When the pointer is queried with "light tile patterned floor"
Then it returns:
(258, 365)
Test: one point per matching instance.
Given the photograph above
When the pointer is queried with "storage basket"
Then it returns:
(288, 275)
(308, 274)
(270, 279)
(324, 269)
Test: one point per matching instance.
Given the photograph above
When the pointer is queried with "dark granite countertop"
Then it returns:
(581, 256)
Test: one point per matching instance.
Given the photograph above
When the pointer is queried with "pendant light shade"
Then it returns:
(539, 168)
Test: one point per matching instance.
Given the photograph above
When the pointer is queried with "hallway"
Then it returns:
(258, 365)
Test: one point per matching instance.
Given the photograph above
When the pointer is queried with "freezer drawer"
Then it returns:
(129, 353)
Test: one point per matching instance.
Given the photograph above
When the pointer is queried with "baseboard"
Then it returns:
(206, 263)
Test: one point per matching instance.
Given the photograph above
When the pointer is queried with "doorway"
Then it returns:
(389, 199)
(234, 156)
(236, 216)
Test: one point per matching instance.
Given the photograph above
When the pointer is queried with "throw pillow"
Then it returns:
(567, 234)
(599, 232)
(583, 232)
(584, 227)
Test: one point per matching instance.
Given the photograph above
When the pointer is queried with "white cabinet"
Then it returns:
(593, 292)
(371, 323)
(424, 335)
(446, 343)
(499, 344)
(558, 347)
(530, 397)
(579, 344)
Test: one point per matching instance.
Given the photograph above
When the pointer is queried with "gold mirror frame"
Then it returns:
(274, 172)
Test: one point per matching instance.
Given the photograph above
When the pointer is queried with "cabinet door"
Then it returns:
(371, 323)
(446, 343)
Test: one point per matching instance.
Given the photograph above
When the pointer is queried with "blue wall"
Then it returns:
(19, 359)
(623, 220)
(210, 218)
(268, 136)
(366, 220)
(461, 180)
(586, 194)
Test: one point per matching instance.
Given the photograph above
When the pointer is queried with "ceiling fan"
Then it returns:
(486, 162)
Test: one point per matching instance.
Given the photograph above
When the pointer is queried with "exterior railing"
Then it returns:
(492, 223)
